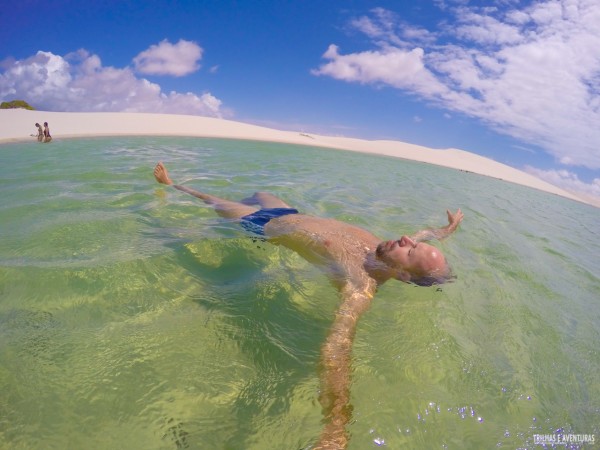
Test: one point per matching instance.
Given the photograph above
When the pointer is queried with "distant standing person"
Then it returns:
(40, 135)
(47, 137)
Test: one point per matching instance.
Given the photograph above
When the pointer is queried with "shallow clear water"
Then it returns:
(132, 317)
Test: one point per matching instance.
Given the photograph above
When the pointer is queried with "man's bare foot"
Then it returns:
(161, 174)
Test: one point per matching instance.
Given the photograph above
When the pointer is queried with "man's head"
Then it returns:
(417, 262)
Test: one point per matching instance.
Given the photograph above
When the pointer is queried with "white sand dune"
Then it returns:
(18, 124)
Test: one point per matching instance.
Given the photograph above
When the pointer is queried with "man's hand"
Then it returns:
(454, 219)
(440, 233)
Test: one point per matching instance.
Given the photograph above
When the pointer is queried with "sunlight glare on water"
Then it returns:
(131, 316)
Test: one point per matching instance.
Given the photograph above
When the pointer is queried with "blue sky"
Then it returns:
(516, 81)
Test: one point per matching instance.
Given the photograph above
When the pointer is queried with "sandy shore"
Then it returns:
(18, 124)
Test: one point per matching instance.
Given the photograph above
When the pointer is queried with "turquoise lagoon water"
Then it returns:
(131, 316)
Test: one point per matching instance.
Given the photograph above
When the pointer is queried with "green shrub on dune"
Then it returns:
(16, 104)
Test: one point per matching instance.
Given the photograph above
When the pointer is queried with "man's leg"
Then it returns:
(265, 200)
(225, 208)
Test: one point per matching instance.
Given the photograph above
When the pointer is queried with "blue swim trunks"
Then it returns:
(256, 221)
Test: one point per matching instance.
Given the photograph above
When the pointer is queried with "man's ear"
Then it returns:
(403, 275)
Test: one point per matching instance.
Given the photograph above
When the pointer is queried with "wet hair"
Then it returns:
(431, 281)
(434, 280)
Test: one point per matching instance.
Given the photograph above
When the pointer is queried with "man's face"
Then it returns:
(417, 259)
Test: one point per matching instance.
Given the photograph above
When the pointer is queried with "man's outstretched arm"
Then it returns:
(440, 233)
(336, 365)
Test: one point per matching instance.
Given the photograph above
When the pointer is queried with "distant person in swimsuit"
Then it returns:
(355, 260)
(40, 135)
(47, 137)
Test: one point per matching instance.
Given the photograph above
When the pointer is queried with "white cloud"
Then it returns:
(386, 28)
(532, 73)
(517, 17)
(79, 82)
(486, 30)
(391, 66)
(569, 181)
(169, 59)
